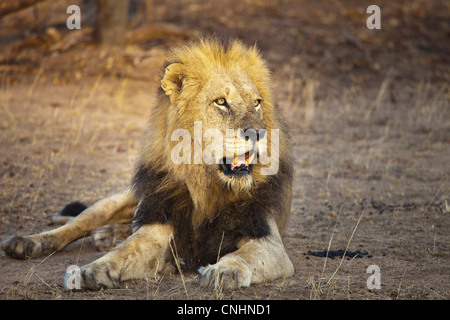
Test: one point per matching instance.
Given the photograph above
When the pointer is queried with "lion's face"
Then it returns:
(222, 99)
(232, 106)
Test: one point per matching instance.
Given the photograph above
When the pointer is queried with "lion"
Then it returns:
(224, 217)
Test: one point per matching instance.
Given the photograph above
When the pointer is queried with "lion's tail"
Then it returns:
(71, 210)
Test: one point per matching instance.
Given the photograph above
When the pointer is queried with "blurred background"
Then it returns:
(328, 37)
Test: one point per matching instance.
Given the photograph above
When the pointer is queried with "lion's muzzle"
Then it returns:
(240, 164)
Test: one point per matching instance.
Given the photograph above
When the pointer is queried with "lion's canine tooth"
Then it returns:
(251, 157)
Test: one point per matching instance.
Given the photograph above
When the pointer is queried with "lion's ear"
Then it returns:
(172, 80)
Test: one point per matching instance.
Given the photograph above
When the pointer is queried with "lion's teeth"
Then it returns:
(243, 159)
(250, 159)
(238, 161)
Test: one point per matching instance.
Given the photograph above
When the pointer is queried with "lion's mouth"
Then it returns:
(240, 165)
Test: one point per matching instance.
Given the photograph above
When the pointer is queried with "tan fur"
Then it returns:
(197, 75)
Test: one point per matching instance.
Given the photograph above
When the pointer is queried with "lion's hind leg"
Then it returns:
(103, 238)
(25, 247)
(116, 208)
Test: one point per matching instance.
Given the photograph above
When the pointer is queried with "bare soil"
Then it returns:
(370, 118)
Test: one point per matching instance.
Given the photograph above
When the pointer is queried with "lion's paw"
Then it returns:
(21, 247)
(103, 238)
(106, 237)
(96, 276)
(229, 273)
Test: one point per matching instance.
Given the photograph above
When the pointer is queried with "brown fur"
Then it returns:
(209, 215)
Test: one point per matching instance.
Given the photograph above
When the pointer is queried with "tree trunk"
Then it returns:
(112, 19)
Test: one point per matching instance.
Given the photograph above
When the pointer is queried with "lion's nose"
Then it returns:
(259, 134)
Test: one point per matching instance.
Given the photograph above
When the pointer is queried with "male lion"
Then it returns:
(225, 218)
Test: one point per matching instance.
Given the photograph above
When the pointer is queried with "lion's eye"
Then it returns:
(221, 102)
(257, 103)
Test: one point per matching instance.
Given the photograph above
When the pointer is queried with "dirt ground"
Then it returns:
(370, 118)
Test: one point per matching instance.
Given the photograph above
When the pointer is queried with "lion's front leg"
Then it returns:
(143, 254)
(256, 261)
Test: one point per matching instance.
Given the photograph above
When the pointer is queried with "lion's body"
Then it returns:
(217, 217)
